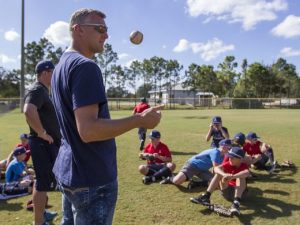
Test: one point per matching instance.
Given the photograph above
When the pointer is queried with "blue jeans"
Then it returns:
(89, 206)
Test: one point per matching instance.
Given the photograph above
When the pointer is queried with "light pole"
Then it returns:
(22, 83)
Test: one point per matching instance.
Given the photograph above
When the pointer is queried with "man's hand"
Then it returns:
(151, 117)
(46, 137)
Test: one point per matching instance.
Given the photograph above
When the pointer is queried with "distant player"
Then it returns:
(216, 131)
(139, 108)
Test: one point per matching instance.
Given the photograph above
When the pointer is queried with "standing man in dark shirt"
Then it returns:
(86, 167)
(44, 139)
(139, 108)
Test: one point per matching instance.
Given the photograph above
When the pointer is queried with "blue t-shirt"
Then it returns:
(205, 159)
(76, 82)
(217, 136)
(14, 171)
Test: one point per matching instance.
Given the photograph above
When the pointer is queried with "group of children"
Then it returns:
(225, 165)
(18, 177)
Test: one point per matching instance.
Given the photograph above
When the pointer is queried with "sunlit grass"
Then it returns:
(272, 200)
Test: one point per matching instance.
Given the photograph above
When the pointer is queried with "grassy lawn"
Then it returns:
(271, 200)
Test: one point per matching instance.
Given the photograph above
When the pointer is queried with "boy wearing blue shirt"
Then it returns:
(16, 169)
(199, 165)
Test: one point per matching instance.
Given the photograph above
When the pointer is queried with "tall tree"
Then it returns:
(227, 75)
(106, 60)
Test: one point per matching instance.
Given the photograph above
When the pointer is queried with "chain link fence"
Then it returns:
(7, 104)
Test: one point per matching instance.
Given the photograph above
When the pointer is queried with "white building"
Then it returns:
(179, 95)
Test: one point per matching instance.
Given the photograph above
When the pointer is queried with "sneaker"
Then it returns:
(235, 208)
(202, 199)
(167, 180)
(49, 216)
(273, 167)
(147, 180)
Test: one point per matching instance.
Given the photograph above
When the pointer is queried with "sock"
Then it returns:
(208, 194)
(236, 200)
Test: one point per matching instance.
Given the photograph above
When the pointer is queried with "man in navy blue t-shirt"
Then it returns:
(86, 168)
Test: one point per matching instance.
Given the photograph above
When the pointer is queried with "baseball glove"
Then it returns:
(220, 210)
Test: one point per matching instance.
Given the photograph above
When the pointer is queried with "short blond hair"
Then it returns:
(79, 16)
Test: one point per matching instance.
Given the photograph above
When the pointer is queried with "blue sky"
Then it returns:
(191, 31)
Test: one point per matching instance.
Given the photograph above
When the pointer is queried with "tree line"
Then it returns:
(228, 79)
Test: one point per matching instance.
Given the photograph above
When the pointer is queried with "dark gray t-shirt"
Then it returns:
(38, 95)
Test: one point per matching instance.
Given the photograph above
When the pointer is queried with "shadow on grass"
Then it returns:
(184, 153)
(4, 204)
(263, 207)
(196, 117)
(281, 176)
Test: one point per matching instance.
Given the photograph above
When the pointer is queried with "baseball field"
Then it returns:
(272, 199)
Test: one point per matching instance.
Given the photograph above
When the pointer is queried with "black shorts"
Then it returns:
(153, 168)
(43, 158)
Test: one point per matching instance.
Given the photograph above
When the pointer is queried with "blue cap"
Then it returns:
(43, 65)
(252, 135)
(225, 142)
(143, 100)
(19, 151)
(236, 152)
(216, 120)
(24, 136)
(154, 134)
(239, 138)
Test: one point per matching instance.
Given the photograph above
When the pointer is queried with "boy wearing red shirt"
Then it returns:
(230, 177)
(260, 153)
(159, 160)
(139, 108)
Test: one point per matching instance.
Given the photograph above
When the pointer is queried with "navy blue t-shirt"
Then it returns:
(76, 82)
(217, 136)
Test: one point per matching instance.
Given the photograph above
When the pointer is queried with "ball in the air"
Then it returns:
(136, 37)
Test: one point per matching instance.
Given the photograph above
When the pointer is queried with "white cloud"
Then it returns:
(182, 46)
(247, 12)
(208, 51)
(123, 56)
(11, 35)
(289, 52)
(288, 28)
(4, 59)
(58, 33)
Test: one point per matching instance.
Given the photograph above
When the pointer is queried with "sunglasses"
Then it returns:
(100, 28)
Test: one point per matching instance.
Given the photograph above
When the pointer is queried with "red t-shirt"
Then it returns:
(252, 149)
(141, 107)
(28, 154)
(161, 149)
(227, 168)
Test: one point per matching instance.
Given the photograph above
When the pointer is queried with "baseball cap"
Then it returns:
(236, 152)
(225, 142)
(154, 134)
(43, 65)
(24, 136)
(19, 151)
(239, 138)
(143, 100)
(252, 135)
(216, 120)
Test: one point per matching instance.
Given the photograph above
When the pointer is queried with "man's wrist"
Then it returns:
(43, 132)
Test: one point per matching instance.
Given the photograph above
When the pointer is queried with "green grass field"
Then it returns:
(271, 200)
